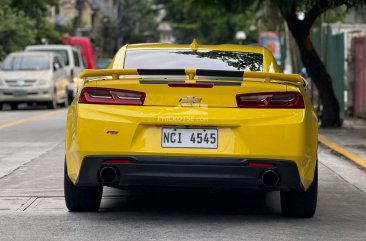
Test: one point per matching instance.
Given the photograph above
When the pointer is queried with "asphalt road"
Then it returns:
(32, 205)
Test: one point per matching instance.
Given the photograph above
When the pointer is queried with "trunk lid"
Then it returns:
(202, 88)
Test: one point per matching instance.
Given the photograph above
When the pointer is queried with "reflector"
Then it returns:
(117, 161)
(259, 164)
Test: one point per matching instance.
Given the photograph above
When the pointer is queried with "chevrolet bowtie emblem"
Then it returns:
(190, 100)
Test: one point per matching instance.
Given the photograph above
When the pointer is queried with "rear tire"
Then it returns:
(66, 102)
(52, 104)
(70, 96)
(81, 199)
(1, 106)
(13, 106)
(301, 204)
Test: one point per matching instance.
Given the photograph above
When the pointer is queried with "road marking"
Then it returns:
(30, 201)
(341, 150)
(29, 119)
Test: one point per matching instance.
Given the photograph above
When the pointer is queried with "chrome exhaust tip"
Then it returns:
(270, 178)
(108, 174)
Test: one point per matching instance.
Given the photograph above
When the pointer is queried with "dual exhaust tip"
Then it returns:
(269, 179)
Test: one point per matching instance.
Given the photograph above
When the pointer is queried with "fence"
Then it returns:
(330, 48)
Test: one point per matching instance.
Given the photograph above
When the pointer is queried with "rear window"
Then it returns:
(62, 53)
(184, 59)
(26, 62)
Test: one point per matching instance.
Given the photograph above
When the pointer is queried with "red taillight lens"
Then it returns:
(291, 100)
(111, 96)
(71, 75)
(190, 85)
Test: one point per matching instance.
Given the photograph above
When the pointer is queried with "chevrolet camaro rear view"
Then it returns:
(210, 116)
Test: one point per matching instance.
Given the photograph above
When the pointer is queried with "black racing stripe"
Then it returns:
(221, 73)
(161, 71)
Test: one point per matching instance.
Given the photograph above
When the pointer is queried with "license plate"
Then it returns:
(189, 138)
(19, 92)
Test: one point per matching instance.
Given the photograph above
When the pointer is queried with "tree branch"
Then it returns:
(289, 14)
(320, 7)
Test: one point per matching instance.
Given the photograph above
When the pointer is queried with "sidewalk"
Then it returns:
(348, 141)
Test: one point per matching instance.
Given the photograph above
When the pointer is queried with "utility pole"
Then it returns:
(79, 10)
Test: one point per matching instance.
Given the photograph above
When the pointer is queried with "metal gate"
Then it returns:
(330, 48)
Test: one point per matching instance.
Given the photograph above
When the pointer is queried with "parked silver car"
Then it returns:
(34, 77)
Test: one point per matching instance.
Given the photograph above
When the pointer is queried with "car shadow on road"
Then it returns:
(26, 107)
(192, 201)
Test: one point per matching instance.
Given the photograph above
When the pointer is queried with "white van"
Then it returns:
(33, 77)
(72, 59)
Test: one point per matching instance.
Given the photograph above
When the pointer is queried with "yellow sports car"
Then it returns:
(211, 116)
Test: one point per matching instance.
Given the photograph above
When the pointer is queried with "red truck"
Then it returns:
(86, 47)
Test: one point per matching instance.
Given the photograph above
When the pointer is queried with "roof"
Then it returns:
(50, 46)
(31, 53)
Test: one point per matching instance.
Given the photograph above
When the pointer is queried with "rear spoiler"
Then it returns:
(193, 75)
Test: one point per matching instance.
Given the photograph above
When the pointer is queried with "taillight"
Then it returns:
(71, 75)
(291, 100)
(105, 96)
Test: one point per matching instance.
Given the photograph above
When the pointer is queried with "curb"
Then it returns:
(358, 160)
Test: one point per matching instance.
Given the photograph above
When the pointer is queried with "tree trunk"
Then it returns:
(300, 30)
(319, 74)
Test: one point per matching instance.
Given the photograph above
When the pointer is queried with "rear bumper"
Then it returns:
(189, 171)
(33, 94)
(269, 134)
